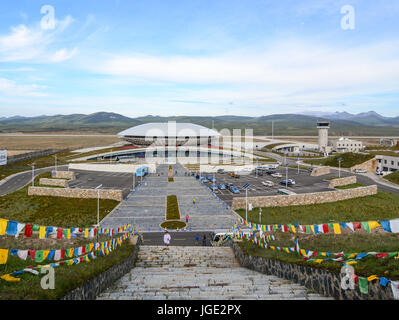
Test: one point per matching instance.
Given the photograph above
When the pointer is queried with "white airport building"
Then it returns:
(348, 145)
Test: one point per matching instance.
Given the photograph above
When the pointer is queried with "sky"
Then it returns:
(198, 57)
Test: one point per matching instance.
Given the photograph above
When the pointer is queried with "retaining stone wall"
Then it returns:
(63, 175)
(342, 181)
(76, 193)
(324, 282)
(53, 182)
(91, 289)
(370, 166)
(320, 171)
(305, 199)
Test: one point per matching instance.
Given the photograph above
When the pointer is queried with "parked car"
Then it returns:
(277, 175)
(271, 172)
(360, 171)
(220, 171)
(379, 173)
(235, 190)
(237, 176)
(287, 182)
(229, 185)
(213, 187)
(222, 186)
(268, 183)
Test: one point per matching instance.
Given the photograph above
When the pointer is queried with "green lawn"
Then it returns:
(67, 278)
(172, 208)
(52, 211)
(393, 177)
(174, 225)
(358, 243)
(348, 160)
(350, 186)
(381, 206)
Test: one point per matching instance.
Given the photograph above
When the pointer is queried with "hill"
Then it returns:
(284, 124)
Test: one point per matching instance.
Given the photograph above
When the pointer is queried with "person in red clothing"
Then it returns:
(187, 218)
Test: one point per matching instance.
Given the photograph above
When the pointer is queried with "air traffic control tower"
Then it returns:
(323, 127)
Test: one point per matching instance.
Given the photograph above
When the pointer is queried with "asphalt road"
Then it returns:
(178, 238)
(21, 180)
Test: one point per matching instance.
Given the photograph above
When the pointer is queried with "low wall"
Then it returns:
(370, 166)
(31, 155)
(324, 282)
(92, 289)
(76, 193)
(53, 182)
(63, 175)
(128, 168)
(342, 181)
(320, 171)
(305, 199)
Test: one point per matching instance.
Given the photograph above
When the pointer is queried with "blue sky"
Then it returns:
(198, 57)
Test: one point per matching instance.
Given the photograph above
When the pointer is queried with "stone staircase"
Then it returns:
(199, 273)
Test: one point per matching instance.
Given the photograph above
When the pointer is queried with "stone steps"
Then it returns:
(200, 273)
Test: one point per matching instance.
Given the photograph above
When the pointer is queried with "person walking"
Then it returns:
(204, 241)
(167, 238)
(187, 218)
(194, 201)
(197, 240)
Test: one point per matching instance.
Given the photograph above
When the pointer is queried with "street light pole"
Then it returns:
(98, 204)
(55, 162)
(246, 204)
(286, 175)
(339, 167)
(260, 215)
(33, 174)
(298, 163)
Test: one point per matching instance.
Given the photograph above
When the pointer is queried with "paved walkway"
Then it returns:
(200, 273)
(146, 207)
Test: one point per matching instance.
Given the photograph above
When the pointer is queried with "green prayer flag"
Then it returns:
(39, 256)
(392, 254)
(366, 226)
(35, 227)
(65, 233)
(308, 231)
(331, 226)
(364, 285)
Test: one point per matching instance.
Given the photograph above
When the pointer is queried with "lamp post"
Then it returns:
(55, 162)
(339, 167)
(298, 163)
(246, 204)
(286, 175)
(134, 181)
(260, 215)
(98, 204)
(33, 174)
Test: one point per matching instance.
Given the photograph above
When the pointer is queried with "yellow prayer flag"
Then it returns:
(9, 278)
(71, 250)
(45, 254)
(91, 245)
(287, 250)
(323, 254)
(70, 262)
(312, 228)
(303, 252)
(373, 277)
(3, 226)
(319, 260)
(373, 224)
(351, 262)
(352, 255)
(86, 233)
(3, 256)
(337, 228)
(69, 234)
(293, 228)
(42, 233)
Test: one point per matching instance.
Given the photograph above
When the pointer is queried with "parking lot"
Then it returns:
(304, 183)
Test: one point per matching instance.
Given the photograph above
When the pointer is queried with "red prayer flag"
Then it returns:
(83, 249)
(357, 225)
(28, 230)
(382, 255)
(59, 233)
(32, 254)
(325, 228)
(63, 254)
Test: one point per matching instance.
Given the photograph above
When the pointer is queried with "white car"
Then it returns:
(360, 171)
(277, 175)
(268, 183)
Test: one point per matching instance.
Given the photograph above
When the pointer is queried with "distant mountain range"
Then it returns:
(342, 123)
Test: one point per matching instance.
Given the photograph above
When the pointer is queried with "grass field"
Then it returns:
(356, 243)
(348, 160)
(67, 278)
(173, 225)
(380, 206)
(30, 142)
(53, 211)
(393, 177)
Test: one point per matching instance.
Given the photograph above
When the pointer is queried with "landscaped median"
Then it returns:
(172, 215)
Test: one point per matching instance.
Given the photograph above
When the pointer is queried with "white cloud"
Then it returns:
(33, 44)
(11, 88)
